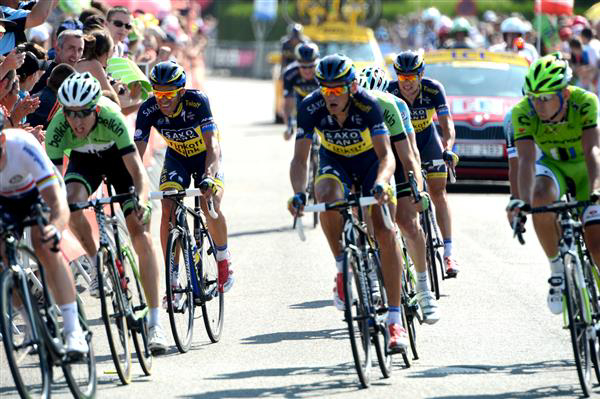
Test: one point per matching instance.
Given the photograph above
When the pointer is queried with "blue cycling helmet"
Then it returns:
(306, 52)
(409, 62)
(167, 73)
(335, 68)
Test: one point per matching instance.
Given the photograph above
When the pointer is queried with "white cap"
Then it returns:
(512, 25)
(40, 32)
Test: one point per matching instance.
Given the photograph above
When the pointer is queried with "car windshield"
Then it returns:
(355, 51)
(502, 81)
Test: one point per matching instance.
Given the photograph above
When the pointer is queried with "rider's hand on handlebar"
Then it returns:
(296, 204)
(144, 212)
(513, 209)
(383, 192)
(450, 156)
(209, 186)
(424, 202)
(51, 234)
(289, 131)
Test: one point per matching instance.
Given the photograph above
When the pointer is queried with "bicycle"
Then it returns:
(409, 302)
(365, 313)
(40, 347)
(123, 305)
(582, 282)
(194, 284)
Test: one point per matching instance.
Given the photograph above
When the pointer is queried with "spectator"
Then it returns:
(37, 50)
(24, 19)
(92, 23)
(460, 34)
(591, 45)
(512, 29)
(69, 49)
(40, 35)
(67, 24)
(9, 92)
(98, 49)
(49, 104)
(30, 72)
(88, 12)
(118, 23)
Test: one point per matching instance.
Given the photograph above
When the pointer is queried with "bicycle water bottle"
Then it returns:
(195, 259)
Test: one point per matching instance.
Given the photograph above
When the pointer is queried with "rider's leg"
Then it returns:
(545, 192)
(80, 227)
(408, 221)
(592, 240)
(328, 189)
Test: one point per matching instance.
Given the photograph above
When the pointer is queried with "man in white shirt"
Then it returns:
(513, 28)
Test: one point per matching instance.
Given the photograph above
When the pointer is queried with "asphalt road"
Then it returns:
(282, 336)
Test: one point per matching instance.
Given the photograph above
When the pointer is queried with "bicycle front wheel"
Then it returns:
(213, 305)
(180, 297)
(113, 315)
(577, 325)
(431, 253)
(137, 299)
(81, 373)
(379, 332)
(27, 357)
(356, 315)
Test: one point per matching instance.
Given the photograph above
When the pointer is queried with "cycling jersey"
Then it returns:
(560, 143)
(27, 167)
(396, 115)
(183, 130)
(431, 98)
(295, 85)
(109, 131)
(346, 152)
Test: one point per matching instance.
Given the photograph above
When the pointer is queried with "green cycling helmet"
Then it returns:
(549, 73)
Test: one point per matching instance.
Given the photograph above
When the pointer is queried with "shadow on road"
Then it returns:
(312, 304)
(345, 382)
(541, 392)
(277, 337)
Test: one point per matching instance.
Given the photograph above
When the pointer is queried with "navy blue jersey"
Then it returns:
(354, 137)
(182, 131)
(431, 98)
(293, 84)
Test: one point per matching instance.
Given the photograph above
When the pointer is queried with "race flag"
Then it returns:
(553, 7)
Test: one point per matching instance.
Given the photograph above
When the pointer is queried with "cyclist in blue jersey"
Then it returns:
(425, 97)
(298, 82)
(355, 151)
(184, 119)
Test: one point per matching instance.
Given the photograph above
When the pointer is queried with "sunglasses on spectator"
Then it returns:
(120, 24)
(411, 78)
(334, 91)
(543, 97)
(84, 113)
(168, 95)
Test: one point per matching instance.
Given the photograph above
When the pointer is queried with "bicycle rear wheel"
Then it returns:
(113, 315)
(409, 311)
(81, 373)
(213, 305)
(577, 325)
(27, 358)
(356, 315)
(180, 297)
(137, 299)
(593, 279)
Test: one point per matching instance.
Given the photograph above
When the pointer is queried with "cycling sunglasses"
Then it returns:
(334, 91)
(541, 96)
(84, 113)
(120, 24)
(411, 78)
(307, 66)
(168, 95)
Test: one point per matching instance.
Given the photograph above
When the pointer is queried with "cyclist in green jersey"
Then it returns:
(563, 121)
(402, 135)
(91, 130)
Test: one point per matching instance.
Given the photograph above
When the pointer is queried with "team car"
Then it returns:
(481, 87)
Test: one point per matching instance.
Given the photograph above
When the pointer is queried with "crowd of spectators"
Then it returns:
(41, 45)
(575, 36)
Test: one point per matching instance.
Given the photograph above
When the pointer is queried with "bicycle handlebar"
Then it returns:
(120, 198)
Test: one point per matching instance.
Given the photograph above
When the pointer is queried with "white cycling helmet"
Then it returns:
(431, 14)
(80, 90)
(512, 25)
(373, 78)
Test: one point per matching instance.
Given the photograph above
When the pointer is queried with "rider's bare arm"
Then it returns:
(591, 151)
(135, 167)
(299, 165)
(410, 160)
(526, 150)
(387, 163)
(448, 134)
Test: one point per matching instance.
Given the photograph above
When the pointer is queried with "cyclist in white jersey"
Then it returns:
(27, 176)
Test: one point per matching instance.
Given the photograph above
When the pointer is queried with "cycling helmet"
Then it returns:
(295, 30)
(409, 62)
(373, 78)
(431, 14)
(460, 24)
(80, 90)
(512, 25)
(549, 73)
(335, 68)
(306, 52)
(167, 73)
(490, 16)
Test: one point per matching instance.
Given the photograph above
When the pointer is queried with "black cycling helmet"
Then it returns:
(409, 62)
(167, 73)
(306, 52)
(295, 30)
(335, 68)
